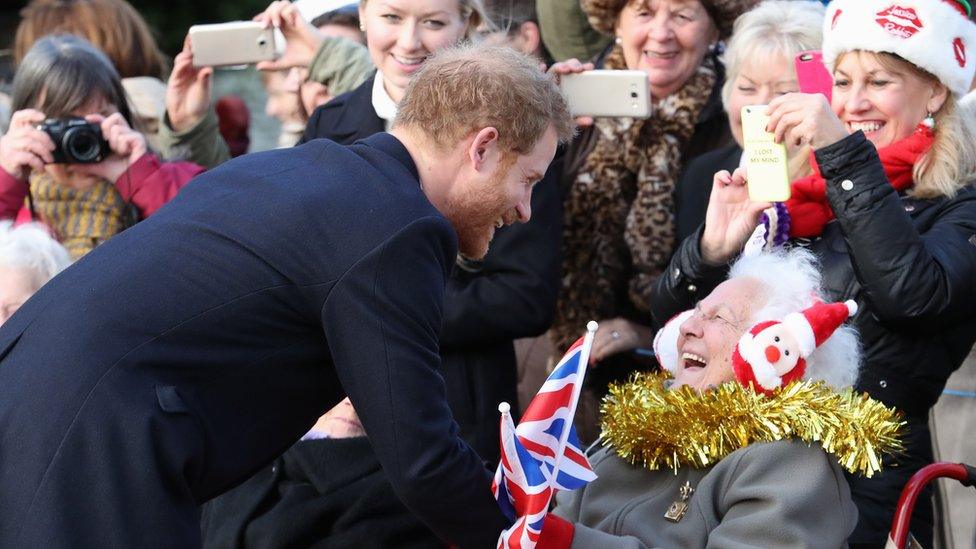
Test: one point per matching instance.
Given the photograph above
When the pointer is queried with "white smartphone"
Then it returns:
(234, 43)
(607, 93)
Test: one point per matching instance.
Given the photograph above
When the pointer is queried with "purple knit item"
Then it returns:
(781, 230)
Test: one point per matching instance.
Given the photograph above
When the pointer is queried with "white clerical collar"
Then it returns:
(383, 104)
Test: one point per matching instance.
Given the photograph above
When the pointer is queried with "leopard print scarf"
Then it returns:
(619, 218)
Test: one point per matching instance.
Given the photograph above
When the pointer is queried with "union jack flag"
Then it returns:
(543, 453)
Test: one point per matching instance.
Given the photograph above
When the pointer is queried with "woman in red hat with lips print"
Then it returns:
(890, 211)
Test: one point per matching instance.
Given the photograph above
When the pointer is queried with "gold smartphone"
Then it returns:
(768, 172)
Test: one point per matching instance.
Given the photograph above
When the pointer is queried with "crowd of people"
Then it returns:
(308, 346)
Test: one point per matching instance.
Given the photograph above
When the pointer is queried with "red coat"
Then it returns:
(147, 184)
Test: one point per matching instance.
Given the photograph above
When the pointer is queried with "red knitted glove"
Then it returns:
(557, 533)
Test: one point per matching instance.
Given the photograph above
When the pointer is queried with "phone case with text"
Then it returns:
(768, 172)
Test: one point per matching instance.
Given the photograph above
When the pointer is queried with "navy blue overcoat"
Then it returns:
(182, 355)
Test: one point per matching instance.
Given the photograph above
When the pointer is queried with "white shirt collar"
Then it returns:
(382, 102)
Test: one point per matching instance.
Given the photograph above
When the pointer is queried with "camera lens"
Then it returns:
(633, 94)
(81, 145)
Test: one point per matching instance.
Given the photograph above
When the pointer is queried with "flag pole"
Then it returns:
(591, 328)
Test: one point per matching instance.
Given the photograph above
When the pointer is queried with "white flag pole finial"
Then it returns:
(504, 407)
(592, 326)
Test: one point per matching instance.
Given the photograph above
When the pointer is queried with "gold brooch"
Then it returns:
(678, 508)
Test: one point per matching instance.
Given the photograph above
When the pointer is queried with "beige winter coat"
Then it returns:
(778, 494)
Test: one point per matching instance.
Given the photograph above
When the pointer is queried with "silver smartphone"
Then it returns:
(607, 93)
(234, 43)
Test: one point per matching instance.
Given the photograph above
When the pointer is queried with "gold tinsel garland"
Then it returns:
(650, 425)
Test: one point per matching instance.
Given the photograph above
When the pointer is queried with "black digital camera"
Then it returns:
(76, 141)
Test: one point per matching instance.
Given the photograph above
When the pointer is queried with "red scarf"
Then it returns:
(808, 207)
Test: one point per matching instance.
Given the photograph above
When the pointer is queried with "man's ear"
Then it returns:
(530, 37)
(484, 143)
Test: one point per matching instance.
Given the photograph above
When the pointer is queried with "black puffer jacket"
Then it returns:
(911, 266)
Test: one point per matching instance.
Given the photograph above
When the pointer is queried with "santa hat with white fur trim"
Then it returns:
(762, 358)
(935, 35)
(812, 326)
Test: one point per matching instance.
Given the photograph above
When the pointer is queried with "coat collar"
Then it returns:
(357, 119)
(391, 146)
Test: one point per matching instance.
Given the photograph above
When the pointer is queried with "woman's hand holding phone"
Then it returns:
(573, 66)
(302, 40)
(804, 119)
(730, 219)
(188, 92)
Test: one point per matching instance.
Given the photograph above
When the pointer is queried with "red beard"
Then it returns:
(473, 215)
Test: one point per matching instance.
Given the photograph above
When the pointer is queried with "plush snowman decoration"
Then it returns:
(773, 353)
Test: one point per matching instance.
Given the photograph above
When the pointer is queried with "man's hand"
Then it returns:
(339, 422)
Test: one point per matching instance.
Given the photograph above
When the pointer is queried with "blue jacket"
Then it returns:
(186, 353)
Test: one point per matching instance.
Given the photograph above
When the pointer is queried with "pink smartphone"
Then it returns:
(812, 75)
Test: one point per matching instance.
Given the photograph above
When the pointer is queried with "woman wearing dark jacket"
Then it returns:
(891, 214)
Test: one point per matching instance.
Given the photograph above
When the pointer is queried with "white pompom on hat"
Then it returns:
(935, 35)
